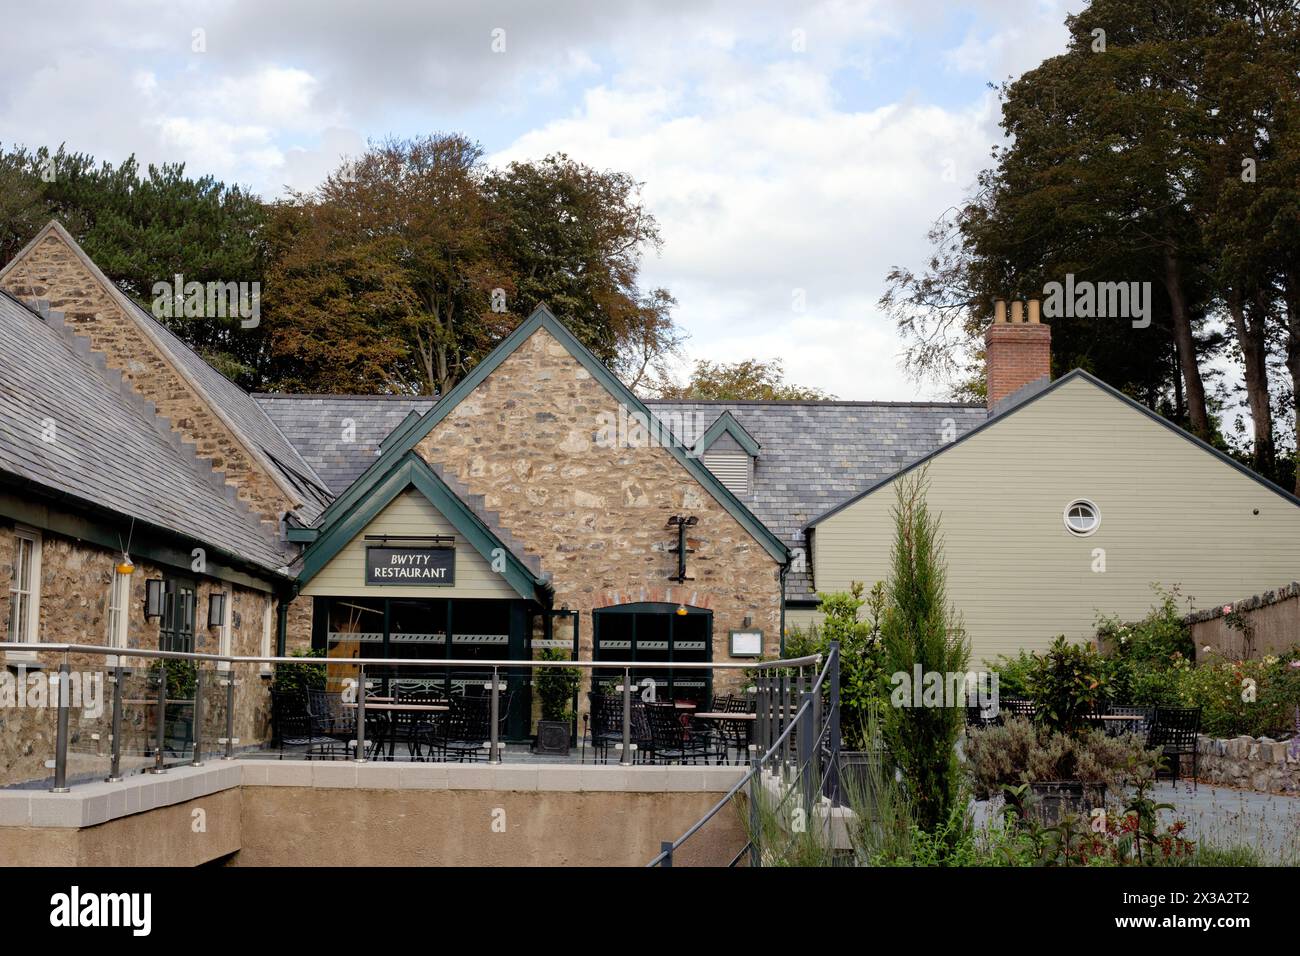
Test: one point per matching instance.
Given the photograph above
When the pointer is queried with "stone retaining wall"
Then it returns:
(1260, 764)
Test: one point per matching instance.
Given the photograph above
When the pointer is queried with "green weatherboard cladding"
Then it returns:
(414, 431)
(412, 471)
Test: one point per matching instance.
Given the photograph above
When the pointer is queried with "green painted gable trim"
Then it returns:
(543, 319)
(412, 471)
(404, 426)
(727, 424)
(1078, 373)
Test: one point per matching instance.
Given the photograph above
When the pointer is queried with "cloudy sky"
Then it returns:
(792, 152)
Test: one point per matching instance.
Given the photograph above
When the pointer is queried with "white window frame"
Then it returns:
(224, 638)
(31, 596)
(268, 631)
(1065, 517)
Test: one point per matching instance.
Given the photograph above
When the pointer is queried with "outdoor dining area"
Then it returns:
(419, 721)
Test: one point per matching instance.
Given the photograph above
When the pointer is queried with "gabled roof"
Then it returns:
(412, 471)
(107, 451)
(815, 454)
(543, 319)
(1034, 394)
(315, 426)
(231, 404)
(727, 425)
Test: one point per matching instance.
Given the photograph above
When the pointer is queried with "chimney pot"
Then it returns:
(1017, 353)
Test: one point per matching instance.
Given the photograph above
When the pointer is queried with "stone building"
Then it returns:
(540, 504)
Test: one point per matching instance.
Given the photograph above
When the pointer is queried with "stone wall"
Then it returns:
(526, 439)
(53, 271)
(74, 595)
(1267, 623)
(1261, 764)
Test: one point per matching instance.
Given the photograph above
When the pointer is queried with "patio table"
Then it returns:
(388, 710)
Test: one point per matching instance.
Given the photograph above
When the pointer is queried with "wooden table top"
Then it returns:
(417, 707)
(723, 715)
(1120, 717)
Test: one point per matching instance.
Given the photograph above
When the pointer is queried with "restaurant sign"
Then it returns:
(423, 567)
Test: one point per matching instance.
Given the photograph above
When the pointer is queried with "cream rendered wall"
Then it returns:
(1170, 513)
(410, 513)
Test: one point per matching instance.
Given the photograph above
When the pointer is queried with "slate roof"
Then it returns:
(315, 424)
(247, 416)
(110, 449)
(816, 455)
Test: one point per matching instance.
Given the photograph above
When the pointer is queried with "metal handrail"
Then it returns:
(361, 663)
(810, 703)
(106, 651)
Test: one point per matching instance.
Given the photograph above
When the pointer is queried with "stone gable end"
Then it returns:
(529, 439)
(52, 270)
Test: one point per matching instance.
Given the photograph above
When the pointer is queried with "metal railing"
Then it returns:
(798, 749)
(227, 680)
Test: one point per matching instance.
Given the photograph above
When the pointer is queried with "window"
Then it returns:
(176, 630)
(119, 598)
(268, 624)
(1082, 517)
(25, 587)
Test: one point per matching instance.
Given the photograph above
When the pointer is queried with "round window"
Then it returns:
(1082, 517)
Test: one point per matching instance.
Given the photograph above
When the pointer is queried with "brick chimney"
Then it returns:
(1016, 352)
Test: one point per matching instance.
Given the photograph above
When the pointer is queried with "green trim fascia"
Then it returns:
(1077, 373)
(147, 542)
(404, 426)
(727, 423)
(414, 472)
(302, 535)
(542, 318)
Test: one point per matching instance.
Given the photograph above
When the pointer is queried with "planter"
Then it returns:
(552, 738)
(1055, 798)
(857, 768)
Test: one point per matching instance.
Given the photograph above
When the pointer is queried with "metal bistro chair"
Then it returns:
(1017, 707)
(331, 720)
(293, 724)
(1174, 731)
(672, 741)
(469, 726)
(603, 725)
(408, 726)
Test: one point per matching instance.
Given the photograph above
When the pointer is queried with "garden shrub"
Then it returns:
(1067, 683)
(1017, 753)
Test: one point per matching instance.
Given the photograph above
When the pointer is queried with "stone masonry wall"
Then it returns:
(74, 595)
(597, 516)
(1262, 764)
(52, 271)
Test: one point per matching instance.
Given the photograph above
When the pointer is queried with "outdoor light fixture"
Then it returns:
(681, 610)
(216, 608)
(153, 598)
